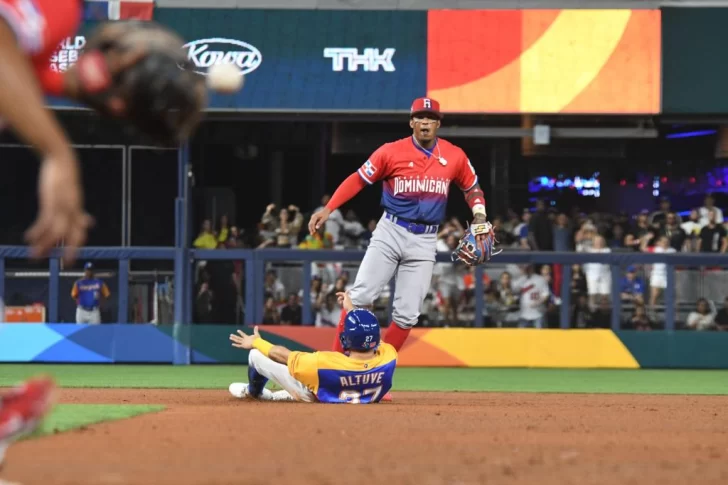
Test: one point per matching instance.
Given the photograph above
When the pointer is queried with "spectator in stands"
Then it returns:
(677, 239)
(640, 230)
(504, 237)
(633, 288)
(534, 293)
(318, 289)
(273, 287)
(367, 235)
(448, 280)
(206, 239)
(563, 234)
(692, 230)
(709, 204)
(203, 301)
(340, 284)
(494, 310)
(520, 231)
(598, 275)
(540, 229)
(346, 283)
(292, 313)
(602, 316)
(319, 240)
(658, 276)
(582, 315)
(270, 313)
(703, 318)
(640, 320)
(328, 315)
(269, 221)
(617, 240)
(223, 231)
(584, 237)
(508, 297)
(289, 225)
(511, 221)
(721, 318)
(713, 235)
(351, 231)
(335, 222)
(578, 283)
(658, 218)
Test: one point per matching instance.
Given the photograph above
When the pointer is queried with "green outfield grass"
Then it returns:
(69, 416)
(406, 379)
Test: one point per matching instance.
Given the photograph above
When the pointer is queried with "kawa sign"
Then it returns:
(205, 53)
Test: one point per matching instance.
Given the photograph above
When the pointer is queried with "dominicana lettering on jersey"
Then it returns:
(405, 185)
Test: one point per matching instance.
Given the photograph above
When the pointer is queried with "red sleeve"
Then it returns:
(346, 191)
(377, 167)
(466, 177)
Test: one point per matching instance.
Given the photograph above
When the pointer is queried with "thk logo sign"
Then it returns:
(350, 59)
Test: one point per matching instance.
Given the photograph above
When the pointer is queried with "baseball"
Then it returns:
(224, 78)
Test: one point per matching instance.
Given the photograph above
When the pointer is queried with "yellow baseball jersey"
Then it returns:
(336, 378)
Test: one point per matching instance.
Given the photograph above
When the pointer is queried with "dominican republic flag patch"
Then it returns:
(369, 169)
(118, 9)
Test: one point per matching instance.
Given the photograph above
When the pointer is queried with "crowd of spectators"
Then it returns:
(525, 296)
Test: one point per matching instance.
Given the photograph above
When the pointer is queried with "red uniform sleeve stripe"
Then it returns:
(364, 177)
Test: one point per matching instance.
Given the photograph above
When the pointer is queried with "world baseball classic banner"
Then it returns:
(478, 61)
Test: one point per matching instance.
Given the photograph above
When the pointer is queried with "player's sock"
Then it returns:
(396, 335)
(337, 342)
(256, 382)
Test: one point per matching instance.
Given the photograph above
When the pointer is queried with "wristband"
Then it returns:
(479, 209)
(262, 345)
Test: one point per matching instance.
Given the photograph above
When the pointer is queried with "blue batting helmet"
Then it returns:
(361, 331)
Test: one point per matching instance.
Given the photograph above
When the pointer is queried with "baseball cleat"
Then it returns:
(22, 409)
(241, 390)
(387, 397)
(282, 396)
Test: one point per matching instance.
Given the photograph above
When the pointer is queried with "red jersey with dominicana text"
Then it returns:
(40, 26)
(417, 180)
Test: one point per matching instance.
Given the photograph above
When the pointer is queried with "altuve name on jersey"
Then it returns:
(361, 379)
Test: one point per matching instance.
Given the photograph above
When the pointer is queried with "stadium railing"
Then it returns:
(256, 261)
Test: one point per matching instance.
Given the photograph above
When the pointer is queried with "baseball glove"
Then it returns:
(473, 252)
(139, 72)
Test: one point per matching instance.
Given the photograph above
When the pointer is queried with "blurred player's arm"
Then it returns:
(22, 104)
(276, 353)
(105, 292)
(373, 170)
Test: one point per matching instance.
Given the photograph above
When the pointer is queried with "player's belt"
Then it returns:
(412, 226)
(87, 308)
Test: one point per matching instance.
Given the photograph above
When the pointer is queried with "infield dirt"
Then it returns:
(210, 438)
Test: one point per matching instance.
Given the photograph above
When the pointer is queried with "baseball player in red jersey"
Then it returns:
(30, 31)
(416, 173)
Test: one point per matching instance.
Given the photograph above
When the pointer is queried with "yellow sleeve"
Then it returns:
(105, 290)
(303, 366)
(74, 290)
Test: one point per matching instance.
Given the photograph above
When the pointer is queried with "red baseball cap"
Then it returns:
(426, 105)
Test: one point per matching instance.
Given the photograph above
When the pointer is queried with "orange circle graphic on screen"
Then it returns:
(545, 61)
